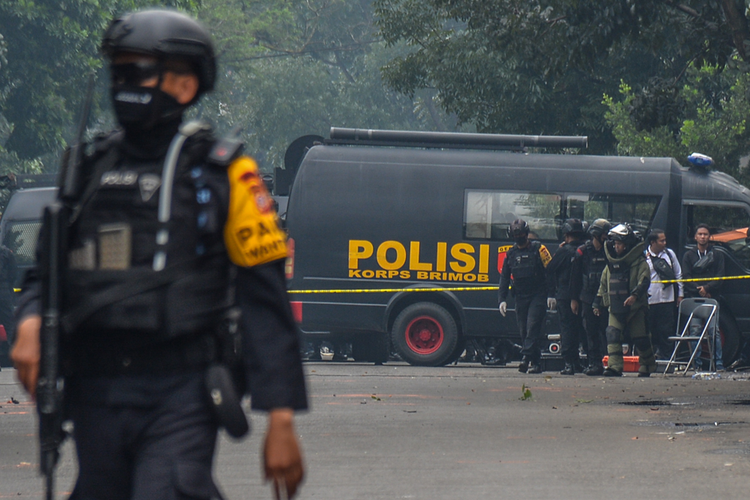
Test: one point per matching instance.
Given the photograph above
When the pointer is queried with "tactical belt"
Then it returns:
(180, 355)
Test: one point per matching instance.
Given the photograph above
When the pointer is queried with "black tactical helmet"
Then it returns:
(518, 228)
(165, 34)
(599, 227)
(573, 227)
(625, 234)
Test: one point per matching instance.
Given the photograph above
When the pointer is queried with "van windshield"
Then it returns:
(21, 237)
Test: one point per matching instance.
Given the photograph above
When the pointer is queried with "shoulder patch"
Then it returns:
(252, 234)
(545, 255)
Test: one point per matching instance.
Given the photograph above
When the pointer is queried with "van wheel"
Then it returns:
(459, 349)
(425, 334)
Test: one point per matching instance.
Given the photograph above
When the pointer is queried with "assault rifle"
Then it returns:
(50, 386)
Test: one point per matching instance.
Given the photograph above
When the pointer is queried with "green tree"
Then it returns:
(293, 67)
(540, 66)
(50, 48)
(710, 117)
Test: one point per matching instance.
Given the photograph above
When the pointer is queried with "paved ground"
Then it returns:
(396, 431)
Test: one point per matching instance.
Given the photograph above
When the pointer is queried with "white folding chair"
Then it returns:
(707, 310)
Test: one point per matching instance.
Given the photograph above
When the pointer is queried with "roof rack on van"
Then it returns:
(452, 139)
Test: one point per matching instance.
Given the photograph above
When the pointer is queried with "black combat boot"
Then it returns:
(609, 372)
(535, 367)
(569, 369)
(524, 366)
(594, 370)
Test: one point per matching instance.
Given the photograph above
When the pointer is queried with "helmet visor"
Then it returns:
(134, 73)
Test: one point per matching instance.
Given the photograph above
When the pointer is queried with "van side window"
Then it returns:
(487, 214)
(728, 227)
(636, 210)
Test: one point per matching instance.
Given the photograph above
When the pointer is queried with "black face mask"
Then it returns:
(140, 109)
(521, 240)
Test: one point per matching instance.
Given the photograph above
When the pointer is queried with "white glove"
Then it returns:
(503, 308)
(551, 303)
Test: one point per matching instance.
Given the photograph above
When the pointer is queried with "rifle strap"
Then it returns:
(71, 320)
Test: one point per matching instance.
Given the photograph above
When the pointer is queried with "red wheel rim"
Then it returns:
(424, 335)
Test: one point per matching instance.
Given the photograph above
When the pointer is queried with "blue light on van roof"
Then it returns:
(700, 160)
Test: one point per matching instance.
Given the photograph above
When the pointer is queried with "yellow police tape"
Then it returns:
(480, 288)
(394, 290)
(473, 288)
(691, 280)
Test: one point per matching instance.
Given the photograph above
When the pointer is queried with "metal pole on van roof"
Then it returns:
(454, 139)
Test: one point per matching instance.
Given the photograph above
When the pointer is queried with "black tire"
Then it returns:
(425, 334)
(371, 347)
(730, 339)
(460, 346)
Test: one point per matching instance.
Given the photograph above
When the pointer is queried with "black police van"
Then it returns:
(398, 238)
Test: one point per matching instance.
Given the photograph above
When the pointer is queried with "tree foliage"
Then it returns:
(294, 67)
(710, 117)
(50, 49)
(541, 66)
(287, 68)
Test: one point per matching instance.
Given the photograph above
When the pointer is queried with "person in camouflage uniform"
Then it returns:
(624, 290)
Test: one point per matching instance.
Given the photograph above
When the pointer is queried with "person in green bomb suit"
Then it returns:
(624, 290)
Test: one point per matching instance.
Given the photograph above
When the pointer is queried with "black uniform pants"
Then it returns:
(530, 311)
(571, 331)
(163, 452)
(662, 323)
(596, 336)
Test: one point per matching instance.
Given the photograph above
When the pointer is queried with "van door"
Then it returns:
(728, 223)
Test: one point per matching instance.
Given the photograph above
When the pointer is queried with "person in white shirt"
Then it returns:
(663, 298)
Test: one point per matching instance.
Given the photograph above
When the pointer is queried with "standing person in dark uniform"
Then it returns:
(526, 262)
(624, 290)
(561, 270)
(587, 275)
(207, 238)
(8, 272)
(703, 262)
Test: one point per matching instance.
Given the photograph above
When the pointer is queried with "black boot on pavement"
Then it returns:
(568, 370)
(535, 367)
(609, 372)
(524, 366)
(594, 370)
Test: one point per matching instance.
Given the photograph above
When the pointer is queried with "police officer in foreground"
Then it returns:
(587, 275)
(568, 308)
(624, 290)
(136, 365)
(526, 262)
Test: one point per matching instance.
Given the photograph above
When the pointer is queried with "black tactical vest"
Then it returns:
(526, 268)
(113, 242)
(593, 264)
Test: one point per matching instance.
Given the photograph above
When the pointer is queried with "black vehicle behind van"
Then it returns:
(22, 219)
(398, 246)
